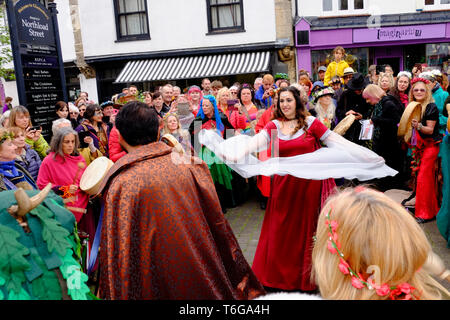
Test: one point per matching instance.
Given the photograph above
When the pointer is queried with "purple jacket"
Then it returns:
(32, 162)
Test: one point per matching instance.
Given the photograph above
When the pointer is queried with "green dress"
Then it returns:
(220, 172)
(443, 216)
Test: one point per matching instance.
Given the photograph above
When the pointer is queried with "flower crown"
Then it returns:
(169, 114)
(403, 291)
(420, 80)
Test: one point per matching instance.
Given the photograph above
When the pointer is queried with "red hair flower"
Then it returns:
(357, 283)
(343, 266)
(331, 248)
(334, 225)
(383, 290)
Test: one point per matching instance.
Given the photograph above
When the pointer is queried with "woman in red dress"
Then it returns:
(283, 255)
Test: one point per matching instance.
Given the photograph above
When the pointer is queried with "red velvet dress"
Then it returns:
(283, 255)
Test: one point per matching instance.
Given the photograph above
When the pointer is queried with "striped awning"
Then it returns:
(178, 68)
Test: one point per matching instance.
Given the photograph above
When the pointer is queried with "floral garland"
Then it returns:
(402, 291)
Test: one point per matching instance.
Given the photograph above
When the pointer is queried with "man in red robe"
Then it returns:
(164, 235)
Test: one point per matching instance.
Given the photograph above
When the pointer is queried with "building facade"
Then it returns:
(110, 44)
(399, 33)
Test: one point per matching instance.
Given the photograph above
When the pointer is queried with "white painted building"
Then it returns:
(400, 33)
(118, 42)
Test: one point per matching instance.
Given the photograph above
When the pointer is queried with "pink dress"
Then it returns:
(283, 255)
(62, 172)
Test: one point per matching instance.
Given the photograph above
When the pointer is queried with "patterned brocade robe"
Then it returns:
(164, 235)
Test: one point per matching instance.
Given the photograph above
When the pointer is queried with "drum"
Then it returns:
(171, 141)
(342, 127)
(94, 174)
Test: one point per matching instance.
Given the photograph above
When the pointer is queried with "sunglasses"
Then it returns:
(73, 112)
(419, 90)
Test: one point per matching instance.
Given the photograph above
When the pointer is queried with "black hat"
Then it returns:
(357, 82)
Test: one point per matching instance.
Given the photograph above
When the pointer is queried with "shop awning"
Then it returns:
(177, 68)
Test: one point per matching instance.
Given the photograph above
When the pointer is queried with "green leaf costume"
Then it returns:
(33, 265)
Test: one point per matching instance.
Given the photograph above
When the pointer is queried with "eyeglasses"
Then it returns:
(419, 90)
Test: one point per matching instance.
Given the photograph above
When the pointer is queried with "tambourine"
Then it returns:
(171, 141)
(94, 174)
(412, 111)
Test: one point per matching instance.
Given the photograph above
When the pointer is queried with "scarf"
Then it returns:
(9, 170)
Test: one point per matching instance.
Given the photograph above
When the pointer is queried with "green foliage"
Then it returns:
(5, 47)
(76, 279)
(12, 261)
(52, 231)
(46, 287)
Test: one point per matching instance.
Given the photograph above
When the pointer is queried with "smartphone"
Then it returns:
(183, 109)
(231, 104)
(35, 128)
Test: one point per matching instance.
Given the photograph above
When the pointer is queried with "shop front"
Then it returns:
(400, 46)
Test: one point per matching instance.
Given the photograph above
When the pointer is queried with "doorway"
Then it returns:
(393, 62)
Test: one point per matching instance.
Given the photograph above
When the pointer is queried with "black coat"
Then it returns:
(385, 141)
(349, 100)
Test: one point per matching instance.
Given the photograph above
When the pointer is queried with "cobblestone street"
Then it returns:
(246, 221)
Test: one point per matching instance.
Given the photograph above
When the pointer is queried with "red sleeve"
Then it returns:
(317, 129)
(265, 118)
(115, 149)
(269, 127)
(237, 120)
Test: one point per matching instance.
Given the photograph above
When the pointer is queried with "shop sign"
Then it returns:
(404, 33)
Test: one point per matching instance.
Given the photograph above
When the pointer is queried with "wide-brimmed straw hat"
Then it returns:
(342, 127)
(412, 111)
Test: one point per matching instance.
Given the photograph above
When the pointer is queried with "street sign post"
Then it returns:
(37, 59)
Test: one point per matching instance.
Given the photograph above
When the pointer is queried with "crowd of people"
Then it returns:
(303, 115)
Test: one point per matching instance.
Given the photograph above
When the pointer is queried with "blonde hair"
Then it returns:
(373, 91)
(322, 114)
(220, 93)
(428, 97)
(373, 231)
(165, 130)
(390, 78)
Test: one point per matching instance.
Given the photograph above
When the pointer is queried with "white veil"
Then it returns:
(339, 159)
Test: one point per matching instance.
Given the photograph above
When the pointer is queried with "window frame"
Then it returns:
(436, 6)
(222, 30)
(119, 37)
(350, 11)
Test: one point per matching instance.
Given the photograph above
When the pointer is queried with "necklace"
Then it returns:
(291, 123)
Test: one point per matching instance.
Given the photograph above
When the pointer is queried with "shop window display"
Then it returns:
(438, 55)
(357, 58)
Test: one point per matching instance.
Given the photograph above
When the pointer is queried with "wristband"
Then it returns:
(419, 127)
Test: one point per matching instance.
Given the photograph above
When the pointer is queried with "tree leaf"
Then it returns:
(47, 287)
(12, 261)
(55, 236)
(52, 231)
